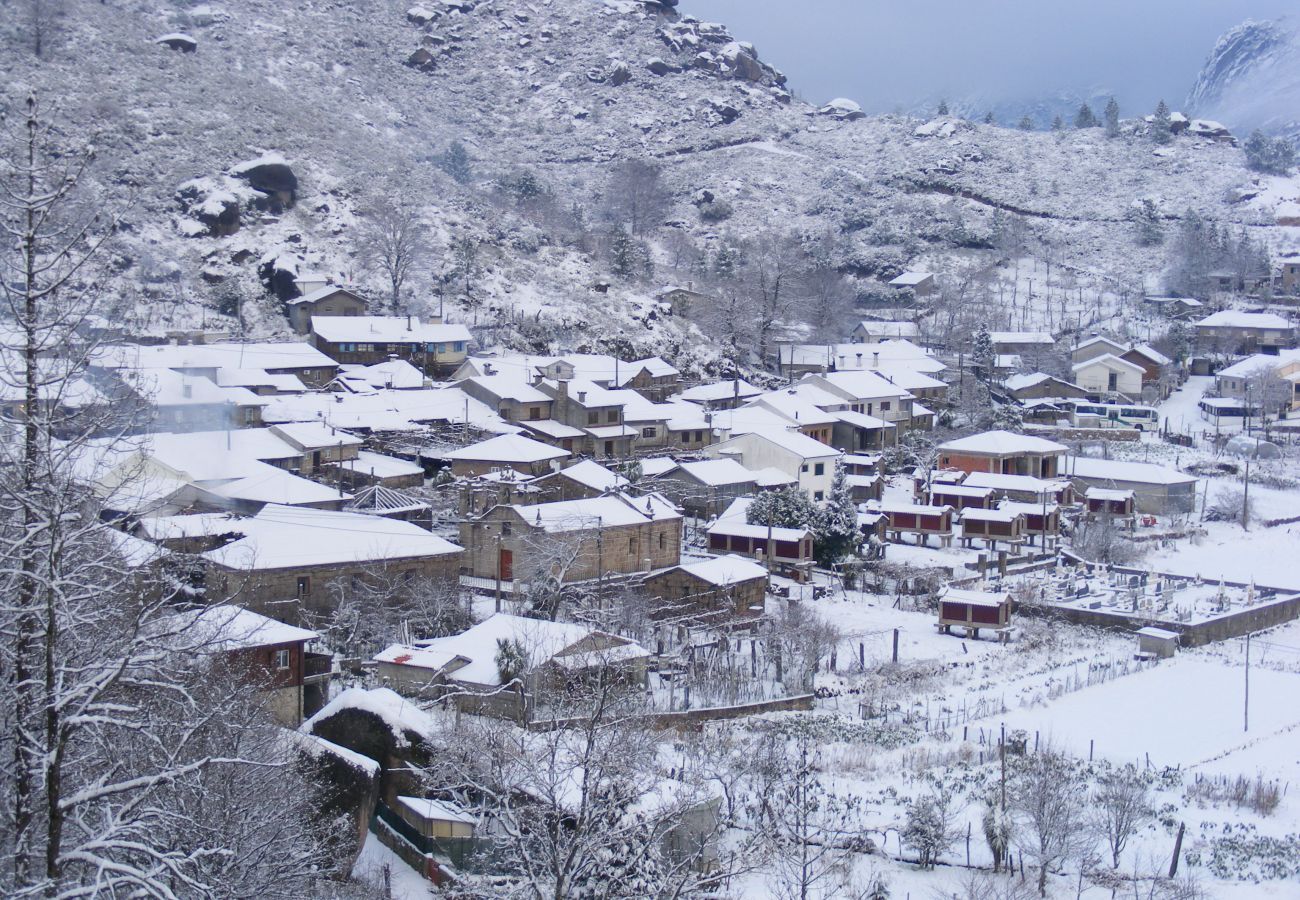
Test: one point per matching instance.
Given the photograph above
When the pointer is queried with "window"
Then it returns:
(304, 587)
(534, 413)
(250, 415)
(819, 469)
(459, 346)
(803, 468)
(631, 545)
(870, 408)
(282, 659)
(686, 437)
(442, 348)
(699, 437)
(819, 496)
(611, 415)
(430, 348)
(648, 432)
(884, 406)
(593, 418)
(663, 541)
(408, 576)
(506, 530)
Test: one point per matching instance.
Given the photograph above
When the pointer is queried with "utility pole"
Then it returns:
(1245, 500)
(1245, 710)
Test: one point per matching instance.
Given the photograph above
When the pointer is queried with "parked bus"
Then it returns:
(1113, 415)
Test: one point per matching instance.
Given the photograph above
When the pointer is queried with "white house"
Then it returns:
(811, 462)
(1108, 374)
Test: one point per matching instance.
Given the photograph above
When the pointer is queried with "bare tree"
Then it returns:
(43, 18)
(827, 299)
(636, 195)
(582, 811)
(381, 605)
(1049, 804)
(113, 729)
(1121, 803)
(773, 263)
(392, 241)
(811, 832)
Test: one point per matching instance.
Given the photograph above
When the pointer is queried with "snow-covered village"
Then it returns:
(542, 449)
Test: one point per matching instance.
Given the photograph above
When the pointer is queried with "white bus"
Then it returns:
(1113, 415)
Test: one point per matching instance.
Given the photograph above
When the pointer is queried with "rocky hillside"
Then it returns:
(1252, 79)
(251, 138)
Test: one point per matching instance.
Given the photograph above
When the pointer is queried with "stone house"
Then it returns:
(513, 399)
(573, 540)
(720, 588)
(506, 451)
(596, 411)
(432, 347)
(320, 298)
(811, 462)
(1235, 332)
(1038, 385)
(291, 562)
(707, 487)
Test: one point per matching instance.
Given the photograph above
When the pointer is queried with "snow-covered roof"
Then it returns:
(862, 384)
(321, 293)
(314, 435)
(507, 387)
(770, 477)
(254, 378)
(718, 472)
(394, 373)
(229, 627)
(609, 432)
(607, 511)
(1002, 443)
(541, 641)
(725, 570)
(1159, 633)
(1001, 514)
(556, 431)
(1022, 337)
(720, 390)
(1151, 353)
(282, 537)
(1123, 471)
(260, 355)
(791, 441)
(385, 410)
(386, 330)
(398, 714)
(437, 810)
(1096, 493)
(861, 420)
(654, 366)
(1234, 318)
(1024, 483)
(417, 657)
(655, 466)
(960, 490)
(164, 528)
(595, 476)
(973, 597)
(1026, 380)
(378, 465)
(1259, 363)
(1099, 339)
(910, 279)
(514, 448)
(1107, 361)
(799, 411)
(741, 528)
(902, 506)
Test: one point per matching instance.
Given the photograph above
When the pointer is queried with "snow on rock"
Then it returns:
(404, 720)
(843, 108)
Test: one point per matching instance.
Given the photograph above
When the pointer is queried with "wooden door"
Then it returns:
(506, 564)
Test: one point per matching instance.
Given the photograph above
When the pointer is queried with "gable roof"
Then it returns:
(1000, 443)
(592, 474)
(507, 448)
(724, 571)
(1234, 318)
(605, 511)
(385, 329)
(321, 293)
(791, 441)
(1108, 360)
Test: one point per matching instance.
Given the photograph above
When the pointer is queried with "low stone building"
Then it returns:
(1003, 452)
(721, 588)
(573, 540)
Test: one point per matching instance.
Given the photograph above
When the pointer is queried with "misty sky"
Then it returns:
(891, 54)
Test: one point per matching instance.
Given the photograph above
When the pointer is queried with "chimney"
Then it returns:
(875, 359)
(408, 321)
(187, 390)
(489, 369)
(537, 378)
(859, 360)
(582, 396)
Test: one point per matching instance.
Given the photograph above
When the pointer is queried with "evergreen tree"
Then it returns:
(1026, 123)
(1085, 118)
(1058, 124)
(624, 257)
(982, 352)
(456, 162)
(1180, 342)
(726, 262)
(1273, 156)
(988, 118)
(943, 107)
(1111, 115)
(1146, 223)
(1161, 125)
(788, 507)
(835, 531)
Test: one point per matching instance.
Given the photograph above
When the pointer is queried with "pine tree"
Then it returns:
(624, 256)
(1026, 123)
(982, 351)
(988, 118)
(1111, 116)
(1058, 124)
(1085, 118)
(785, 508)
(1273, 156)
(1180, 343)
(456, 162)
(1161, 125)
(726, 262)
(835, 530)
(1146, 223)
(943, 107)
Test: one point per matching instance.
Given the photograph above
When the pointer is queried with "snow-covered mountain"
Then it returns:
(248, 160)
(1252, 78)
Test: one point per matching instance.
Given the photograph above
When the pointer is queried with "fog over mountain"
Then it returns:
(1010, 57)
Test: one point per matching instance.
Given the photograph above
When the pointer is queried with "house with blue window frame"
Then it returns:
(434, 347)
